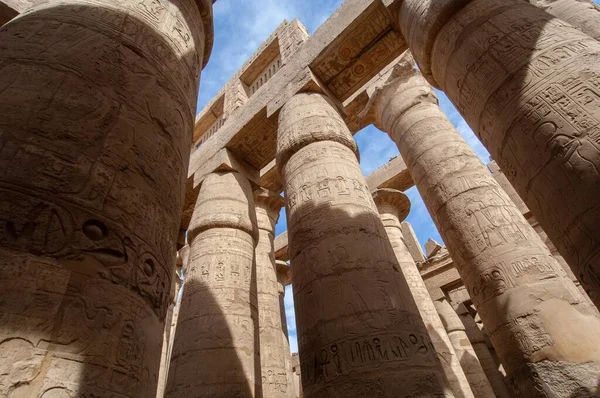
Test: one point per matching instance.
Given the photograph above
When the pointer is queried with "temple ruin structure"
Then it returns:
(139, 253)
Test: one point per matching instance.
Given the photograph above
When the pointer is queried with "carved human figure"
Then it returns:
(393, 207)
(214, 351)
(98, 103)
(359, 331)
(527, 84)
(532, 309)
(274, 352)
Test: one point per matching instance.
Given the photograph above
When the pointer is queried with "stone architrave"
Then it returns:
(359, 331)
(464, 350)
(214, 352)
(582, 14)
(284, 278)
(274, 353)
(486, 360)
(98, 104)
(393, 207)
(545, 332)
(527, 85)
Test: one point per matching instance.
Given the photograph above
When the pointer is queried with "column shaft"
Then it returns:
(527, 84)
(359, 331)
(393, 207)
(582, 14)
(215, 352)
(273, 351)
(98, 103)
(464, 350)
(488, 363)
(284, 279)
(532, 310)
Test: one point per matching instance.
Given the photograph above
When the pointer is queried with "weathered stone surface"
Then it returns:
(357, 332)
(274, 353)
(393, 207)
(464, 350)
(531, 99)
(486, 360)
(284, 278)
(535, 315)
(582, 14)
(98, 101)
(214, 352)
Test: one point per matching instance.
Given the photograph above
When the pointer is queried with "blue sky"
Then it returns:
(240, 27)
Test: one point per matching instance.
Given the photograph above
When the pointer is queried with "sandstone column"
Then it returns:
(582, 14)
(527, 84)
(539, 322)
(284, 278)
(215, 351)
(98, 104)
(393, 207)
(359, 331)
(464, 350)
(487, 361)
(273, 351)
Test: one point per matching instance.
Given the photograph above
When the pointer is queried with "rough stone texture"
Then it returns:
(464, 350)
(215, 352)
(432, 248)
(531, 99)
(486, 360)
(284, 278)
(98, 102)
(274, 353)
(412, 242)
(582, 14)
(535, 315)
(393, 207)
(357, 332)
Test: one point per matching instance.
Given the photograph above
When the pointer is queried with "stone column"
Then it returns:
(527, 85)
(215, 351)
(273, 351)
(486, 360)
(359, 331)
(393, 207)
(582, 14)
(98, 104)
(284, 278)
(546, 334)
(464, 350)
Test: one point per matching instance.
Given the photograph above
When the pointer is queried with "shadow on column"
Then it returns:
(359, 330)
(193, 365)
(86, 217)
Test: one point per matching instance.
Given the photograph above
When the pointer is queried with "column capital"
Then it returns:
(301, 122)
(392, 201)
(223, 202)
(268, 205)
(395, 93)
(284, 273)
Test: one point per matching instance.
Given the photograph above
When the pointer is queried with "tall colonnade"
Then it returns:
(98, 104)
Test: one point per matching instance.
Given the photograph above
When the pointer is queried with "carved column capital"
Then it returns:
(223, 202)
(268, 205)
(392, 201)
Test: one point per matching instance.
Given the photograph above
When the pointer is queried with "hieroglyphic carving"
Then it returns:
(507, 269)
(356, 319)
(101, 97)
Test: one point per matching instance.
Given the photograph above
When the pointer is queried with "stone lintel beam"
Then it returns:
(295, 75)
(281, 247)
